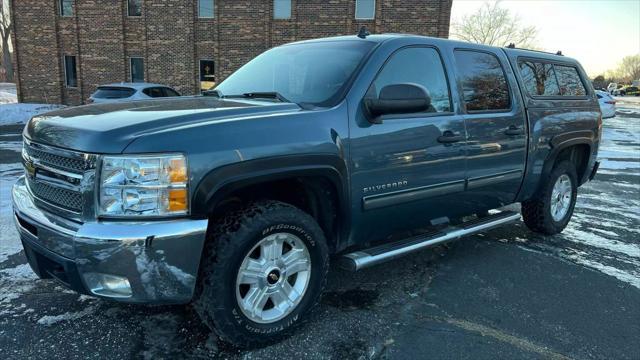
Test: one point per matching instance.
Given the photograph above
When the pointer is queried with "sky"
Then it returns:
(598, 33)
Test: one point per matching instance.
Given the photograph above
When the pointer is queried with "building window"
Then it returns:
(282, 9)
(134, 7)
(207, 75)
(137, 69)
(70, 72)
(365, 9)
(205, 8)
(66, 7)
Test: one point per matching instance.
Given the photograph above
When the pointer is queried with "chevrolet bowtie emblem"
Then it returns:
(29, 168)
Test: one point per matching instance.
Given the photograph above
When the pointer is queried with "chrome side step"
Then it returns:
(368, 257)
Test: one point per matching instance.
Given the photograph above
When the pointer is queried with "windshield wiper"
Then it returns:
(261, 95)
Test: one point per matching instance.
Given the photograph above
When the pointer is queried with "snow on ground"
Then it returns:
(9, 240)
(11, 112)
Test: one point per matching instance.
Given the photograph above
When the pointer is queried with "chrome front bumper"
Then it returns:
(158, 259)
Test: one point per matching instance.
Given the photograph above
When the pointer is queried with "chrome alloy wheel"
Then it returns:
(561, 197)
(273, 278)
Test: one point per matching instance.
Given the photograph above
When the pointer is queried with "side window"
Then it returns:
(484, 84)
(154, 92)
(539, 78)
(569, 79)
(421, 66)
(170, 92)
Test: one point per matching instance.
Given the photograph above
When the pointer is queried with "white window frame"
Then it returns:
(213, 3)
(66, 76)
(144, 78)
(282, 18)
(61, 9)
(373, 17)
(134, 16)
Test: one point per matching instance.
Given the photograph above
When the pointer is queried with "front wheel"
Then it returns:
(550, 210)
(264, 268)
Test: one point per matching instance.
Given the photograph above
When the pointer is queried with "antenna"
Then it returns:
(363, 32)
(559, 53)
(511, 46)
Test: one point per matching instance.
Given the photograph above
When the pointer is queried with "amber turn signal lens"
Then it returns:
(177, 171)
(177, 200)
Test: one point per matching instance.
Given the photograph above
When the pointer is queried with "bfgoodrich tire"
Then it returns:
(550, 210)
(263, 270)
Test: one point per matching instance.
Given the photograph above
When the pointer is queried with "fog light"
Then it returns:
(108, 285)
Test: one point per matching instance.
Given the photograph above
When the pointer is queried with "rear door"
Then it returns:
(495, 124)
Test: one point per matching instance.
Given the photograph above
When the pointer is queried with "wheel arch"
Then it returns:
(576, 147)
(321, 180)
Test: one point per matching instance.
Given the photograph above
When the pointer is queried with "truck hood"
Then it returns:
(109, 128)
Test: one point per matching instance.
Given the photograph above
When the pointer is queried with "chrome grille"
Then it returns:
(55, 176)
(67, 199)
(67, 163)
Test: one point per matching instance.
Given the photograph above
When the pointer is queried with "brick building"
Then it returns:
(64, 49)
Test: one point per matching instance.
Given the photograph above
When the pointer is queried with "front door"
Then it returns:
(408, 169)
(496, 129)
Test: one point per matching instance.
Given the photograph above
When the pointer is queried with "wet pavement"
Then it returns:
(507, 293)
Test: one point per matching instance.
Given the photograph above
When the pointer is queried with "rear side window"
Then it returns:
(420, 66)
(154, 92)
(170, 92)
(484, 83)
(113, 93)
(569, 79)
(539, 78)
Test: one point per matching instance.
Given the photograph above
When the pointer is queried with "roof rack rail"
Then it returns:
(513, 46)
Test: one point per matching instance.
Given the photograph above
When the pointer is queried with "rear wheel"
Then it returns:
(550, 210)
(264, 268)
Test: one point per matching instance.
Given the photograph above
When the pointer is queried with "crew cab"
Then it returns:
(234, 201)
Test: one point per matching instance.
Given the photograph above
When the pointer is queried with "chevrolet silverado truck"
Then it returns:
(235, 200)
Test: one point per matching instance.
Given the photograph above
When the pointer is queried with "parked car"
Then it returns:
(607, 104)
(612, 87)
(234, 201)
(630, 91)
(131, 91)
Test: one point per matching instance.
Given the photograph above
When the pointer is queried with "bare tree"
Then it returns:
(630, 67)
(5, 35)
(494, 25)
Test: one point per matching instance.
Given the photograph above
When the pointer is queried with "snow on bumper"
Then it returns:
(157, 260)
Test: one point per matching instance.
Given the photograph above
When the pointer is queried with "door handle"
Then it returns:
(513, 131)
(449, 137)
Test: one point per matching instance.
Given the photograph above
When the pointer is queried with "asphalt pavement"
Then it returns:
(503, 294)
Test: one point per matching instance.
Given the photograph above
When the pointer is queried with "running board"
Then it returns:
(368, 257)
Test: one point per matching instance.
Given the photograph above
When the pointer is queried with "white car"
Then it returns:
(612, 87)
(607, 104)
(130, 91)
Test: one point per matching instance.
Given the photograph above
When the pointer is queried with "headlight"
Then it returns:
(145, 185)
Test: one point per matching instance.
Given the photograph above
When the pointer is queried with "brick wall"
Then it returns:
(172, 39)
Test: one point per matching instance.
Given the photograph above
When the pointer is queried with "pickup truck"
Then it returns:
(234, 201)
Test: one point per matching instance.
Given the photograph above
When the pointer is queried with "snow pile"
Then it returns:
(21, 113)
(49, 320)
(13, 113)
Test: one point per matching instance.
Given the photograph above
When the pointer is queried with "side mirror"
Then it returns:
(398, 99)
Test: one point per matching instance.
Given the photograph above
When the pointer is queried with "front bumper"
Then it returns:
(158, 259)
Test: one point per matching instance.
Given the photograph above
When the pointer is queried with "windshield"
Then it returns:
(312, 73)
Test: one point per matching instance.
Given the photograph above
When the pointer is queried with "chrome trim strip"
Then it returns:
(481, 181)
(40, 165)
(360, 259)
(413, 194)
